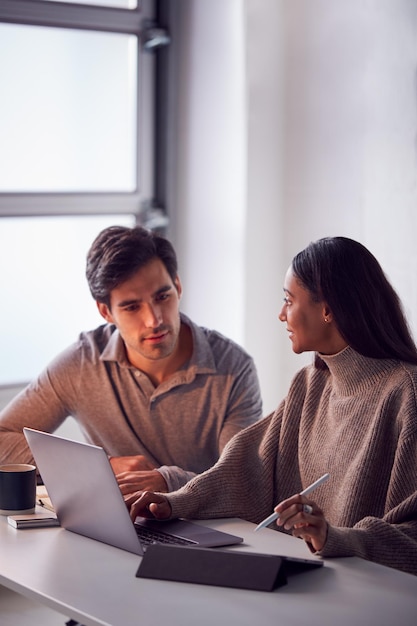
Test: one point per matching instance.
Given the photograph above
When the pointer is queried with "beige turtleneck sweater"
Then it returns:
(358, 421)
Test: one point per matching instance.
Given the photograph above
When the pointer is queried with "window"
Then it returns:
(68, 122)
(45, 296)
(77, 153)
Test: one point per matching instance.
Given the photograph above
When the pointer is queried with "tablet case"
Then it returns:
(225, 568)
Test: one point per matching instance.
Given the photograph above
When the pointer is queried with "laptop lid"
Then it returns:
(87, 500)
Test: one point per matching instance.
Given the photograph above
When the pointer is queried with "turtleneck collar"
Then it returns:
(352, 371)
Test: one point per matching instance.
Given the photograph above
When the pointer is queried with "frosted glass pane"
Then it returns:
(46, 302)
(67, 110)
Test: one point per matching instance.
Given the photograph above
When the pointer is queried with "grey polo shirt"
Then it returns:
(182, 425)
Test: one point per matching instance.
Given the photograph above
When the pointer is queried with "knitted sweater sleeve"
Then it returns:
(379, 540)
(391, 539)
(243, 474)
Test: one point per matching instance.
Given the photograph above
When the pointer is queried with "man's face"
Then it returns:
(145, 309)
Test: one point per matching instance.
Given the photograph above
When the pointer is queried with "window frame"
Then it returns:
(95, 18)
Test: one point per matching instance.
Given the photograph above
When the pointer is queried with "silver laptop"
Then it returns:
(87, 500)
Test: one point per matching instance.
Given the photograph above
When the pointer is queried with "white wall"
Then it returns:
(210, 163)
(297, 120)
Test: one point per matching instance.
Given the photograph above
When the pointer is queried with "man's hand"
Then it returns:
(130, 463)
(132, 482)
(149, 505)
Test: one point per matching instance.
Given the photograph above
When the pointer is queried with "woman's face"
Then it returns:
(310, 324)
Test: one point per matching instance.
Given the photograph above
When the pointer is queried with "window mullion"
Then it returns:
(62, 15)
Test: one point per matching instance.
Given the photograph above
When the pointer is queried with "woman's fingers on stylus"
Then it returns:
(298, 513)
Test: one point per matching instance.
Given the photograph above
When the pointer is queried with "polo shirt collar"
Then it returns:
(201, 361)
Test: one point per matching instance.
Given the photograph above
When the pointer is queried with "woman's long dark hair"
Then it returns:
(365, 307)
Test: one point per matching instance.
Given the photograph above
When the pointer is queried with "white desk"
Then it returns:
(96, 584)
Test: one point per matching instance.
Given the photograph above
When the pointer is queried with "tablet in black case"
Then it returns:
(224, 568)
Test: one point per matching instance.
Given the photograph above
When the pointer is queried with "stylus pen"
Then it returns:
(271, 518)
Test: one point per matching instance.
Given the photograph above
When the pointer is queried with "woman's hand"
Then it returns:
(148, 504)
(305, 519)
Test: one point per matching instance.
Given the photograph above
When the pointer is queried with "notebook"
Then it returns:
(87, 500)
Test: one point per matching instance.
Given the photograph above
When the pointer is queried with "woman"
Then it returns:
(353, 413)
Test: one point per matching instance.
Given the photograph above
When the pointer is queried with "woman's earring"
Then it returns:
(326, 319)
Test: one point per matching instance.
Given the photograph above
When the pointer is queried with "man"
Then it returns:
(160, 394)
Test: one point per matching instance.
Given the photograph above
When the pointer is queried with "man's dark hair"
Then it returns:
(118, 252)
(366, 309)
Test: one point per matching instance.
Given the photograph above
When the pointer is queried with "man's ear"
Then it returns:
(105, 312)
(178, 286)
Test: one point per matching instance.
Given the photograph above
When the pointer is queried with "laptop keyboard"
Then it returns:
(148, 536)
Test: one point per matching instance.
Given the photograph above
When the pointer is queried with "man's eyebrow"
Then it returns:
(128, 302)
(163, 289)
(131, 301)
